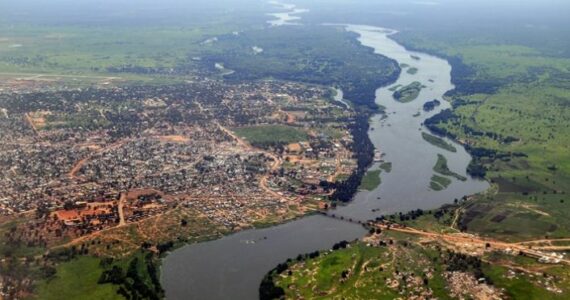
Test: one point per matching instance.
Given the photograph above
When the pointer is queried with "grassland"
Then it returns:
(438, 142)
(371, 180)
(266, 135)
(365, 267)
(408, 269)
(511, 98)
(442, 168)
(77, 279)
(99, 41)
(439, 183)
(92, 51)
(409, 92)
(519, 286)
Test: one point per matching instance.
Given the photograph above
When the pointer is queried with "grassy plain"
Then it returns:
(367, 268)
(511, 90)
(77, 279)
(404, 268)
(81, 50)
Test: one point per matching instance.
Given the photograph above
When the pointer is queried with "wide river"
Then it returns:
(232, 267)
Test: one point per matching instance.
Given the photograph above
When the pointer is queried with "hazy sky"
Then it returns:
(412, 13)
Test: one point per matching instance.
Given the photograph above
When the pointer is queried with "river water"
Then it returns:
(288, 17)
(232, 267)
(398, 136)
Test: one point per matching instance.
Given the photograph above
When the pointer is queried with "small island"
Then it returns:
(438, 142)
(409, 92)
(442, 168)
(371, 180)
(439, 183)
(431, 105)
(412, 70)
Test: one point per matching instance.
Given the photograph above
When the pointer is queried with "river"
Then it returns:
(232, 267)
(288, 17)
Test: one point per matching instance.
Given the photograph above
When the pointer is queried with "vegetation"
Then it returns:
(511, 106)
(87, 277)
(376, 264)
(100, 40)
(333, 274)
(430, 105)
(409, 92)
(364, 152)
(371, 180)
(412, 70)
(271, 135)
(416, 268)
(438, 142)
(320, 54)
(77, 279)
(438, 183)
(442, 168)
(386, 167)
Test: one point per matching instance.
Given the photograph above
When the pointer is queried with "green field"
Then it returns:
(113, 41)
(409, 92)
(267, 135)
(442, 168)
(368, 272)
(519, 287)
(438, 183)
(438, 142)
(371, 180)
(87, 277)
(77, 279)
(516, 101)
(367, 268)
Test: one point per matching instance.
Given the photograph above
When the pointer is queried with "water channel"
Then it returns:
(232, 267)
(288, 17)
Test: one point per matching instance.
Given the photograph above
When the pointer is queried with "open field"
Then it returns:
(511, 107)
(266, 135)
(391, 264)
(77, 279)
(371, 269)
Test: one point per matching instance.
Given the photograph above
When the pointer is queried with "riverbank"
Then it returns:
(210, 270)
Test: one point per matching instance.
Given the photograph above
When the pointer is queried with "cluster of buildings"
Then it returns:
(78, 174)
